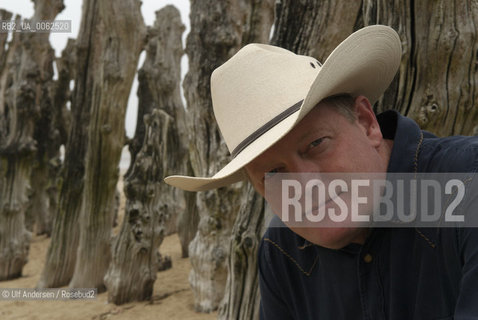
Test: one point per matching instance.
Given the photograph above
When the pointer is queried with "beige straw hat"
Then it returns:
(263, 91)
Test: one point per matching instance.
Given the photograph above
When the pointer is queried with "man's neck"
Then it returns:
(386, 151)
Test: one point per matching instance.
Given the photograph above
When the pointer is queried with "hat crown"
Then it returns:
(255, 86)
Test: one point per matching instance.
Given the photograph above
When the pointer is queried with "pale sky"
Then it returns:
(72, 12)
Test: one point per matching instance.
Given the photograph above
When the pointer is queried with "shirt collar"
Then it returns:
(406, 137)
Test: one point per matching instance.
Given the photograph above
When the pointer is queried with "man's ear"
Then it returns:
(367, 120)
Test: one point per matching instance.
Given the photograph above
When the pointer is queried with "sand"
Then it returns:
(172, 296)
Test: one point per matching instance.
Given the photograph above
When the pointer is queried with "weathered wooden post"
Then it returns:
(132, 273)
(61, 255)
(25, 78)
(242, 297)
(150, 203)
(118, 35)
(218, 30)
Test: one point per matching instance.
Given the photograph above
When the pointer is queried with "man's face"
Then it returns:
(326, 141)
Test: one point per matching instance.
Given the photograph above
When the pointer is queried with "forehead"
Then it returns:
(323, 116)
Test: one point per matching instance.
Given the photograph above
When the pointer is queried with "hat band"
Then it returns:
(266, 127)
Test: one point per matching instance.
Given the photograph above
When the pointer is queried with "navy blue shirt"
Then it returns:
(400, 273)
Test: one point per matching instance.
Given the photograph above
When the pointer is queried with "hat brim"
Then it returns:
(363, 64)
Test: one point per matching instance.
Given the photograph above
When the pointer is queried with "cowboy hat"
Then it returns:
(263, 91)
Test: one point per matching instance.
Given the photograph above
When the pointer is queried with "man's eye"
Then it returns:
(315, 143)
(272, 172)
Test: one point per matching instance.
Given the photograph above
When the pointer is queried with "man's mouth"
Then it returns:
(315, 209)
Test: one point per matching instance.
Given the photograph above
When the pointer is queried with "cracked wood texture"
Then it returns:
(150, 203)
(116, 34)
(51, 131)
(438, 78)
(310, 27)
(242, 298)
(159, 87)
(26, 78)
(61, 254)
(188, 219)
(62, 251)
(132, 272)
(437, 81)
(218, 30)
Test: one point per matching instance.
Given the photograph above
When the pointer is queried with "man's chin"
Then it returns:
(332, 238)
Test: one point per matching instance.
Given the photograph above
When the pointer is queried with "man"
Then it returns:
(281, 112)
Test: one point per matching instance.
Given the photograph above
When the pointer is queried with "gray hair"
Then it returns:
(344, 104)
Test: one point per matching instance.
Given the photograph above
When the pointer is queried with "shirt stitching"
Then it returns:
(417, 152)
(307, 273)
(415, 162)
(433, 245)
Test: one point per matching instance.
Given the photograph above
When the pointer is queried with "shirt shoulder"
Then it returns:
(449, 154)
